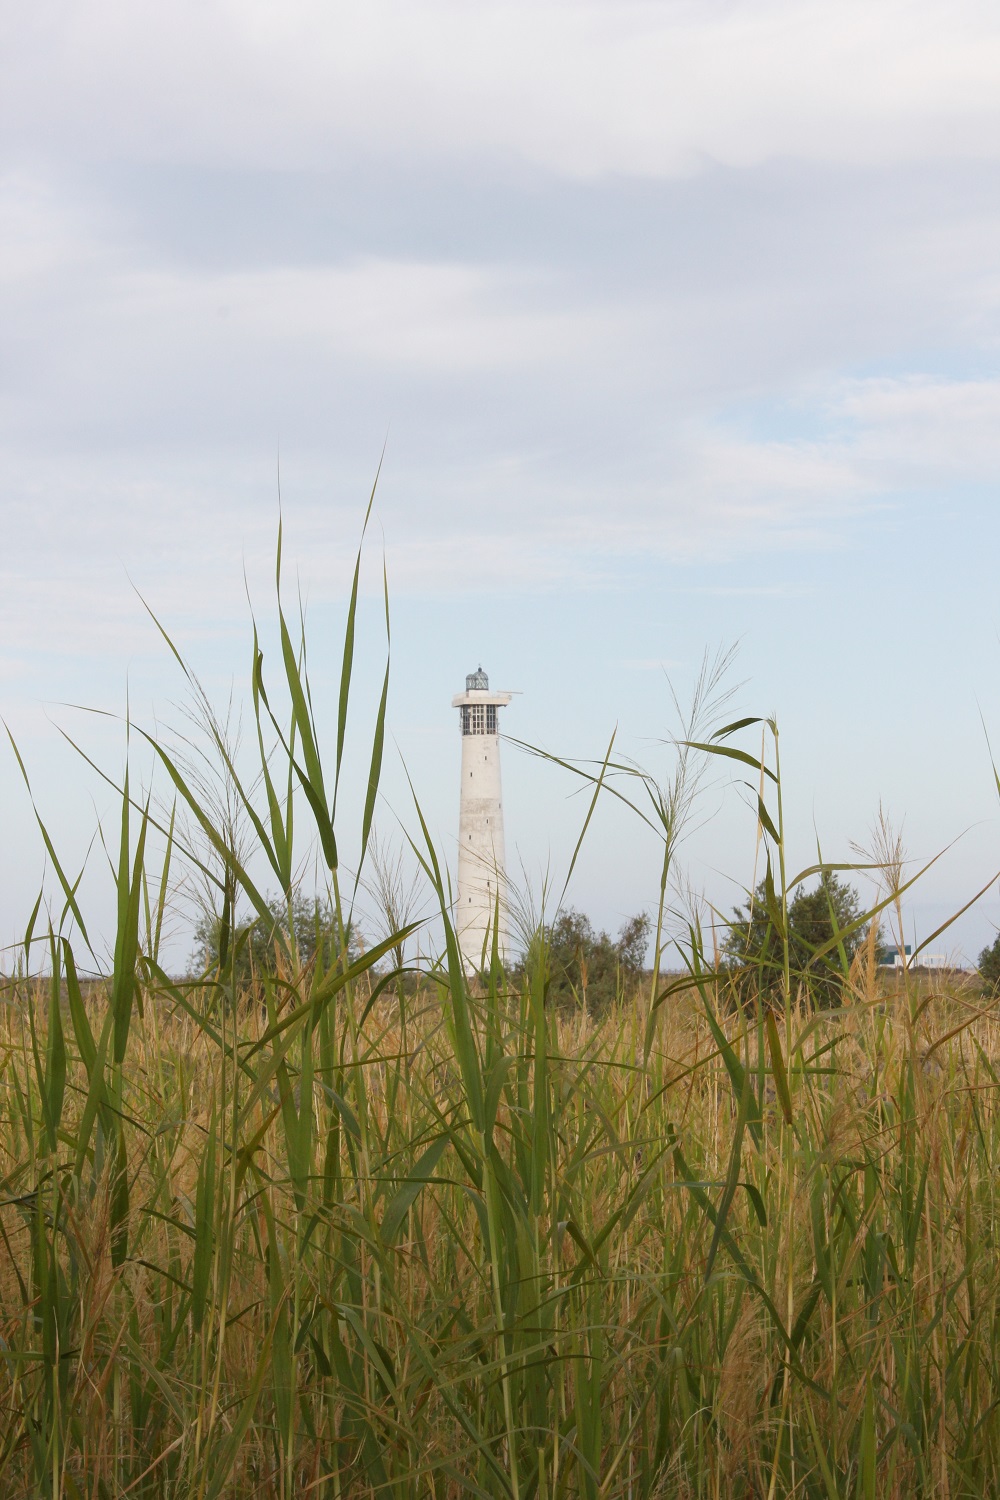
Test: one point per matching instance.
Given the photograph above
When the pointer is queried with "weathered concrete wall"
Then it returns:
(481, 862)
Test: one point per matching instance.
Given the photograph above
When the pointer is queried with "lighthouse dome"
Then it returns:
(477, 682)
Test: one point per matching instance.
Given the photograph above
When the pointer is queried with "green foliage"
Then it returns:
(307, 924)
(820, 946)
(591, 968)
(989, 966)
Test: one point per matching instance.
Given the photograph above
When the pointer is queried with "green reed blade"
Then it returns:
(730, 753)
(880, 907)
(728, 729)
(227, 855)
(831, 867)
(763, 816)
(279, 846)
(459, 1014)
(405, 1196)
(347, 665)
(735, 1069)
(225, 1459)
(69, 891)
(78, 1015)
(55, 1051)
(30, 929)
(120, 1199)
(827, 1475)
(204, 1226)
(378, 742)
(96, 1103)
(950, 922)
(580, 771)
(778, 1065)
(598, 785)
(39, 1074)
(123, 985)
(588, 1380)
(312, 776)
(732, 1173)
(190, 855)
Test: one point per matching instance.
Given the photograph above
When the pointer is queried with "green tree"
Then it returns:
(989, 966)
(753, 952)
(591, 968)
(256, 946)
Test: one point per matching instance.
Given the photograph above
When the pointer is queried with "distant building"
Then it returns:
(894, 958)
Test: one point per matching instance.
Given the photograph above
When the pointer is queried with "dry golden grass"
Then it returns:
(555, 1323)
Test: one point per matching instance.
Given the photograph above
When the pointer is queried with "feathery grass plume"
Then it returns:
(398, 892)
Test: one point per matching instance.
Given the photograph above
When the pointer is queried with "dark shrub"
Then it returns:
(753, 953)
(989, 966)
(255, 944)
(591, 968)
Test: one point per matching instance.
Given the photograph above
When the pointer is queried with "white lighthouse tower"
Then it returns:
(481, 867)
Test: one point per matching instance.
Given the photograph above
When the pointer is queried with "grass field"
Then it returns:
(360, 1234)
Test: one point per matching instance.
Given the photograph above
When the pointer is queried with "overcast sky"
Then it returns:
(679, 323)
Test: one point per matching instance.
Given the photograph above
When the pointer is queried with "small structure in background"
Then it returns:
(895, 958)
(482, 878)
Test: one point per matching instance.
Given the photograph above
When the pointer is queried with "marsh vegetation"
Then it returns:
(308, 1224)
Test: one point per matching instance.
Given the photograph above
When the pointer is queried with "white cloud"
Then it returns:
(649, 88)
(552, 418)
(429, 317)
(926, 431)
(186, 537)
(39, 236)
